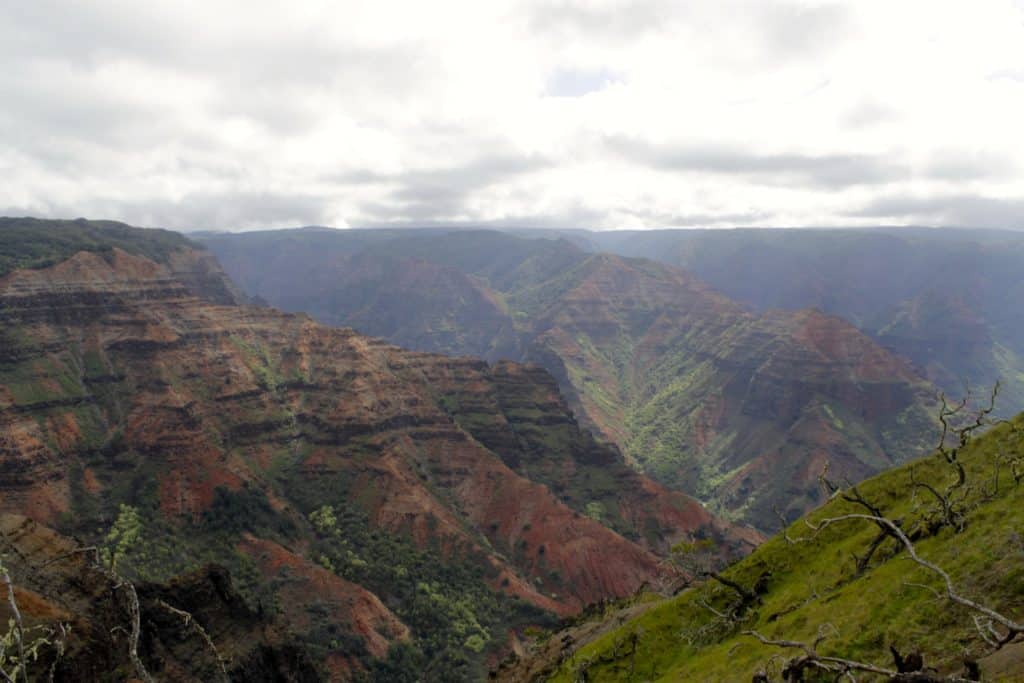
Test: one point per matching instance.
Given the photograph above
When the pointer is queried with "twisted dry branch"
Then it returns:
(1012, 628)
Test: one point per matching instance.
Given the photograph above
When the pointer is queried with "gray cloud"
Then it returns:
(868, 113)
(226, 210)
(90, 35)
(577, 216)
(428, 196)
(265, 81)
(442, 193)
(698, 220)
(795, 31)
(38, 116)
(960, 210)
(784, 30)
(962, 166)
(829, 171)
(617, 22)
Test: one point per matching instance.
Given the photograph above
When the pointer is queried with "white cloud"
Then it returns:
(597, 113)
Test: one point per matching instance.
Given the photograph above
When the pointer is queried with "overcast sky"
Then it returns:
(239, 115)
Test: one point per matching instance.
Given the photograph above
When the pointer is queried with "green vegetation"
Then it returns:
(455, 617)
(122, 537)
(141, 543)
(34, 243)
(42, 379)
(260, 362)
(21, 646)
(814, 583)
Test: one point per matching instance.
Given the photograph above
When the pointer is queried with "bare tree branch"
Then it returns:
(191, 621)
(834, 664)
(19, 627)
(842, 667)
(1010, 625)
(133, 637)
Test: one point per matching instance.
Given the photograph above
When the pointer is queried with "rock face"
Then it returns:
(58, 583)
(227, 427)
(742, 410)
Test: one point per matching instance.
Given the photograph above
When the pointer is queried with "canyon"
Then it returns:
(738, 408)
(422, 499)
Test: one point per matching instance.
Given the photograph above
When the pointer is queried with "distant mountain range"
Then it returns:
(948, 299)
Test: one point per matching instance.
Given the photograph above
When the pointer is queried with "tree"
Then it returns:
(123, 535)
(701, 561)
(18, 645)
(950, 508)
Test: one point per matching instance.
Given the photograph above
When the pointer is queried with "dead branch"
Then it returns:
(1013, 628)
(191, 621)
(950, 514)
(950, 509)
(19, 628)
(722, 620)
(699, 561)
(907, 669)
(811, 659)
(747, 596)
(77, 551)
(1015, 461)
(133, 637)
(851, 494)
(119, 584)
(911, 584)
(60, 645)
(864, 560)
(18, 633)
(951, 504)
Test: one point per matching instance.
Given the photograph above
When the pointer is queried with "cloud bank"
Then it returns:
(579, 113)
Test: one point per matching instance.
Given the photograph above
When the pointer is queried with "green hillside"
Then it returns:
(813, 586)
(35, 243)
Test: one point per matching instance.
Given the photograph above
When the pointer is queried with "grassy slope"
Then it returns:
(35, 243)
(813, 583)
